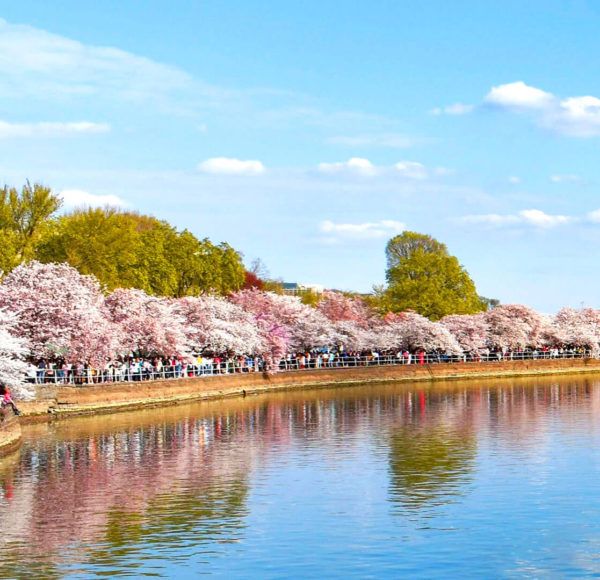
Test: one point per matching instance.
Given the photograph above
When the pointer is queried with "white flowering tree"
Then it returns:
(148, 325)
(470, 330)
(576, 327)
(413, 332)
(214, 323)
(514, 325)
(12, 353)
(60, 312)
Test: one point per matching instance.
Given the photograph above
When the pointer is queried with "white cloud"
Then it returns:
(564, 178)
(411, 169)
(77, 198)
(572, 116)
(537, 217)
(514, 180)
(229, 166)
(46, 65)
(518, 96)
(8, 130)
(531, 217)
(353, 165)
(392, 141)
(594, 216)
(576, 117)
(380, 229)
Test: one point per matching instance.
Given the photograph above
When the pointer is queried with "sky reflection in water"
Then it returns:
(496, 478)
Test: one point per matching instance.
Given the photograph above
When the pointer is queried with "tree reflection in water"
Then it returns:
(117, 493)
(429, 465)
(182, 522)
(112, 500)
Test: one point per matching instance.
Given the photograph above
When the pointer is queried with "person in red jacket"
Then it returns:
(6, 398)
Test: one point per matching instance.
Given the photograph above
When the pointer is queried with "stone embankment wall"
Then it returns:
(66, 400)
(10, 431)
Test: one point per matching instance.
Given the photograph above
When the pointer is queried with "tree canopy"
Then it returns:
(24, 217)
(422, 276)
(128, 250)
(122, 249)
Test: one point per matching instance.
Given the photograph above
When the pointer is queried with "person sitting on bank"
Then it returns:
(6, 398)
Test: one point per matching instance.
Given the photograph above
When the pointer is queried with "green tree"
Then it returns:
(102, 242)
(422, 276)
(129, 250)
(203, 267)
(24, 218)
(232, 269)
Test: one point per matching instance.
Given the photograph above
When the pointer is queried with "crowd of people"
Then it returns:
(139, 368)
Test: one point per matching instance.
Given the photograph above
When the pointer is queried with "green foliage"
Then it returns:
(24, 218)
(128, 250)
(310, 297)
(122, 249)
(423, 277)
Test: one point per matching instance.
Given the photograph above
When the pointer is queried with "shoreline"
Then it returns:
(62, 402)
(10, 431)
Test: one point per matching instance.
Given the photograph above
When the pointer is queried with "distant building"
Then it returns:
(295, 289)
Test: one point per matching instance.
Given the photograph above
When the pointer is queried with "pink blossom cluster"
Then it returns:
(52, 311)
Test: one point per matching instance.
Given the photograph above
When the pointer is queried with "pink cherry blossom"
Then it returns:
(576, 327)
(411, 331)
(148, 324)
(470, 330)
(514, 325)
(60, 312)
(214, 323)
(285, 322)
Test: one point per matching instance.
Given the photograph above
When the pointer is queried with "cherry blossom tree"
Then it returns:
(576, 327)
(148, 325)
(12, 353)
(214, 323)
(351, 320)
(411, 331)
(470, 330)
(353, 337)
(514, 325)
(60, 312)
(285, 322)
(338, 307)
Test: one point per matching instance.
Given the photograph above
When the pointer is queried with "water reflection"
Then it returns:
(137, 492)
(429, 465)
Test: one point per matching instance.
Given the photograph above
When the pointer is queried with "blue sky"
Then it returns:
(309, 133)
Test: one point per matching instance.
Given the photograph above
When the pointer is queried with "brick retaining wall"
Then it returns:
(112, 397)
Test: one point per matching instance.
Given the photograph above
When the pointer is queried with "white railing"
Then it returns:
(116, 373)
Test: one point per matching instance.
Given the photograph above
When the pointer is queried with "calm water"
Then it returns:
(477, 479)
